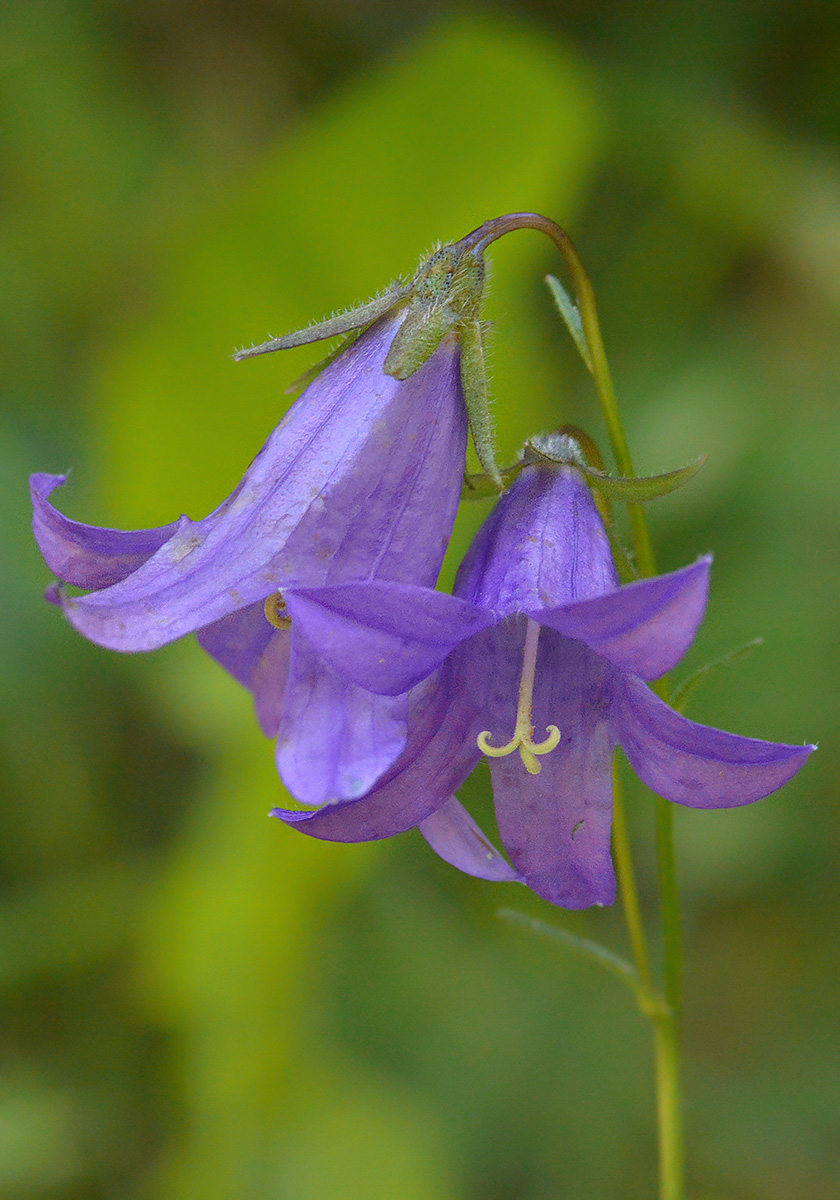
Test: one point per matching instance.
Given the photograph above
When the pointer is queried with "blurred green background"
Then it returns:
(199, 1002)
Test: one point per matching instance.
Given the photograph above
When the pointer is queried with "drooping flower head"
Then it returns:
(539, 662)
(360, 481)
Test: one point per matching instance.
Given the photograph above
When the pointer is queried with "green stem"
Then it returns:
(663, 1016)
(669, 1108)
(670, 904)
(661, 1013)
(627, 883)
(665, 1023)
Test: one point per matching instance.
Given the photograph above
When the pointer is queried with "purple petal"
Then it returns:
(384, 636)
(543, 545)
(360, 480)
(644, 628)
(256, 654)
(556, 825)
(86, 555)
(335, 739)
(693, 764)
(441, 751)
(454, 835)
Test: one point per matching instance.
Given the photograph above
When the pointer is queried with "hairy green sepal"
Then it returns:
(353, 320)
(650, 487)
(562, 447)
(445, 300)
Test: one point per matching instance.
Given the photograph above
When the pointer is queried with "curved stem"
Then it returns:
(585, 297)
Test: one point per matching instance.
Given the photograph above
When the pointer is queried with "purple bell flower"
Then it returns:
(360, 481)
(539, 662)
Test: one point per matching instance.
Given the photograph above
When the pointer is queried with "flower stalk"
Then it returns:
(664, 1018)
(585, 297)
(665, 1023)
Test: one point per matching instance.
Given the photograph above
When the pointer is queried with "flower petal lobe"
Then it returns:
(441, 751)
(556, 825)
(694, 764)
(458, 840)
(86, 555)
(335, 739)
(644, 628)
(384, 636)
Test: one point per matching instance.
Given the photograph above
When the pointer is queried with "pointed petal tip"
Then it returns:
(42, 483)
(356, 820)
(802, 753)
(290, 815)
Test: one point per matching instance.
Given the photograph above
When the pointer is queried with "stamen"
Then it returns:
(276, 612)
(523, 734)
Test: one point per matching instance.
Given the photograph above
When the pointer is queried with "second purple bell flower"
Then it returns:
(540, 662)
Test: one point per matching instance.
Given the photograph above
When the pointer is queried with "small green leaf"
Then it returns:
(578, 945)
(682, 694)
(346, 322)
(571, 315)
(636, 491)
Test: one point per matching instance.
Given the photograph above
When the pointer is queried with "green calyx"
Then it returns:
(442, 300)
(444, 295)
(571, 446)
(445, 299)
